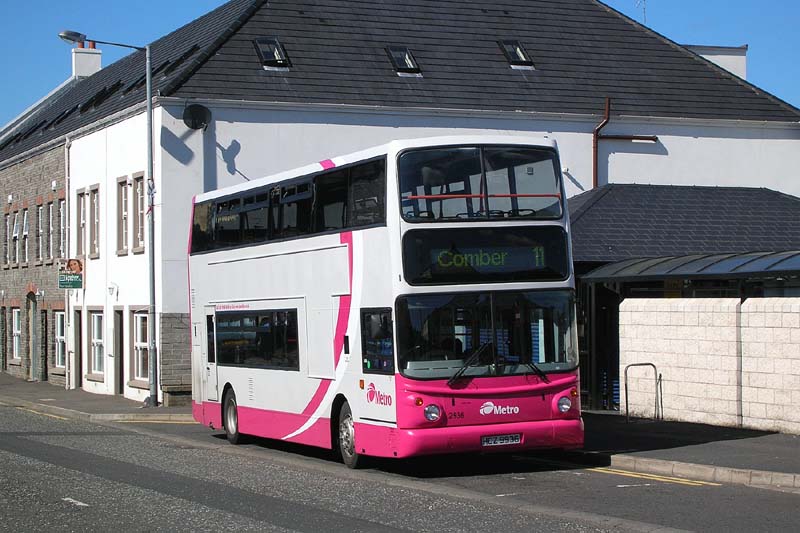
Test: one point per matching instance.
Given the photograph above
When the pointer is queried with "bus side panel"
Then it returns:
(278, 424)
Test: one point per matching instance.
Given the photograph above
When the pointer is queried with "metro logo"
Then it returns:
(490, 408)
(376, 396)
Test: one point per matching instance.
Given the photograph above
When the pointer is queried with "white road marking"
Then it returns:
(637, 485)
(503, 495)
(75, 502)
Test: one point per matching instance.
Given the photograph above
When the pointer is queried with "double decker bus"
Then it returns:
(413, 298)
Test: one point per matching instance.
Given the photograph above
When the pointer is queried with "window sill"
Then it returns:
(58, 371)
(38, 263)
(98, 378)
(15, 362)
(94, 256)
(139, 384)
(138, 250)
(120, 253)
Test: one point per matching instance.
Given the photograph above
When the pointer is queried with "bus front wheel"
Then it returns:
(347, 438)
(230, 418)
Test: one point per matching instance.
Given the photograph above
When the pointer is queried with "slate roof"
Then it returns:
(583, 51)
(121, 84)
(619, 221)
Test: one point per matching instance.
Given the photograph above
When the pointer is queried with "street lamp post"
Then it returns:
(76, 37)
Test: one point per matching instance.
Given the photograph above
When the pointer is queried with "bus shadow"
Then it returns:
(443, 466)
(478, 464)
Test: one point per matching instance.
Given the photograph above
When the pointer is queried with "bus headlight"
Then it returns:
(432, 412)
(564, 404)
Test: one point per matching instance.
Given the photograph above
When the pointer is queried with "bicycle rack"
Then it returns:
(657, 377)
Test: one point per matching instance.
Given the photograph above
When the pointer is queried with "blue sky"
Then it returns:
(34, 60)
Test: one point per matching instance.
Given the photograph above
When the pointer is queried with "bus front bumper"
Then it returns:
(383, 441)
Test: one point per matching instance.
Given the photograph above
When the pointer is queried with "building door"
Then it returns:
(31, 326)
(77, 328)
(119, 353)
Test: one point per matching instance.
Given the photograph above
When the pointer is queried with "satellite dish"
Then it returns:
(196, 116)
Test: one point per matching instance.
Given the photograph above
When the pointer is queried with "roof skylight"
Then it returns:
(403, 61)
(272, 53)
(516, 54)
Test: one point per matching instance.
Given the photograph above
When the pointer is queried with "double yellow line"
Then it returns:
(654, 477)
(40, 413)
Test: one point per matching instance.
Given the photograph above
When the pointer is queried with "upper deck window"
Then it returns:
(468, 183)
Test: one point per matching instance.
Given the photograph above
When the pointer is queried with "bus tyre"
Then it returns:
(230, 418)
(347, 438)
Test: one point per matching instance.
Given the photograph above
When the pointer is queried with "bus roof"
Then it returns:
(375, 151)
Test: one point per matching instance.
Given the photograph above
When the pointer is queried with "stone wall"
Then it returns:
(721, 361)
(176, 358)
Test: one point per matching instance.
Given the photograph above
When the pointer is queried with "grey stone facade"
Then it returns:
(175, 358)
(34, 185)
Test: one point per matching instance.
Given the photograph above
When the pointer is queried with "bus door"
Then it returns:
(211, 392)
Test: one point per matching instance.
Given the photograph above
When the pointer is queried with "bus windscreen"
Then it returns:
(485, 255)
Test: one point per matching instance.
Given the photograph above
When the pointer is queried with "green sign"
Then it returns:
(70, 281)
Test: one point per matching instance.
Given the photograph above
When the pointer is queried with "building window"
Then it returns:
(61, 339)
(140, 347)
(138, 213)
(50, 230)
(39, 233)
(15, 240)
(16, 333)
(7, 240)
(516, 54)
(94, 223)
(62, 229)
(97, 343)
(81, 217)
(403, 61)
(271, 53)
(25, 236)
(122, 216)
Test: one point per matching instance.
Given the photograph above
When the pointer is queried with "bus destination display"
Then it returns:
(474, 255)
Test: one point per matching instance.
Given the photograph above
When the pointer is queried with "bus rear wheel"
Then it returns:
(230, 418)
(347, 438)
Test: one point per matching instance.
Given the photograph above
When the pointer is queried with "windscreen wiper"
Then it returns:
(538, 371)
(471, 359)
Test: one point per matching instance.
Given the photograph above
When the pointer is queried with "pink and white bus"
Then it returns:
(414, 298)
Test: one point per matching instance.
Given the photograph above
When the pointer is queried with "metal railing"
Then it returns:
(658, 394)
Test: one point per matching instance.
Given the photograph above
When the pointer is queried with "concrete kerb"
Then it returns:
(714, 474)
(96, 417)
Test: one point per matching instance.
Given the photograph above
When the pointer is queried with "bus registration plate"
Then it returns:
(501, 440)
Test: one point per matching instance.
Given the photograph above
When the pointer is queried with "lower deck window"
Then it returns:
(266, 339)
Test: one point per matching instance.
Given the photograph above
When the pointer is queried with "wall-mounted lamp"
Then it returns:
(10, 198)
(53, 185)
(40, 294)
(112, 288)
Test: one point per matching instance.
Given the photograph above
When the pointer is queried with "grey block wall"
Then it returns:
(175, 358)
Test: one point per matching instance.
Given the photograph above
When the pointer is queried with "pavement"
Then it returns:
(665, 448)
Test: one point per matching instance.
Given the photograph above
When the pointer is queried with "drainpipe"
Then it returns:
(68, 338)
(596, 136)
